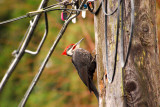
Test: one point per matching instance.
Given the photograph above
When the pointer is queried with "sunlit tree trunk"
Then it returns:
(138, 85)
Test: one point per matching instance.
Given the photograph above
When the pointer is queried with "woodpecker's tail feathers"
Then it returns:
(94, 89)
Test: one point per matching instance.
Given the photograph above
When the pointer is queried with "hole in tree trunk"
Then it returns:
(130, 86)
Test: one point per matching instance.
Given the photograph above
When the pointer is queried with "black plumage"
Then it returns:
(85, 65)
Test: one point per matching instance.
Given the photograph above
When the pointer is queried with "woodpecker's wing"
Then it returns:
(85, 65)
(82, 72)
(92, 68)
(84, 76)
(81, 60)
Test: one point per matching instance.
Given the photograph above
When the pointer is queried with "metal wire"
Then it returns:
(22, 49)
(14, 19)
(43, 38)
(111, 74)
(104, 11)
(37, 76)
(42, 10)
(131, 36)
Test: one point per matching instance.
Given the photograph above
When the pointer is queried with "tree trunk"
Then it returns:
(138, 85)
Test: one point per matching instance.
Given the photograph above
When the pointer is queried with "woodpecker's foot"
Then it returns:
(93, 52)
(94, 58)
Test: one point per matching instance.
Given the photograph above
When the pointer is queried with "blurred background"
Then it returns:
(59, 85)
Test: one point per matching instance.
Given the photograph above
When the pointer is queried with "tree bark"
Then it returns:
(138, 85)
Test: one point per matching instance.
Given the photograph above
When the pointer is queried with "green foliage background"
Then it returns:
(59, 85)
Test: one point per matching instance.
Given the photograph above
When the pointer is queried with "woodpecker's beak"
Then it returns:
(74, 46)
(79, 42)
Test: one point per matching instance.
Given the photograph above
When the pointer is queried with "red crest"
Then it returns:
(65, 51)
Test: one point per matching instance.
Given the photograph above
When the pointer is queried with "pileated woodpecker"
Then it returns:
(84, 63)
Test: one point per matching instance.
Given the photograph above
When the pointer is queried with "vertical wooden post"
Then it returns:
(142, 74)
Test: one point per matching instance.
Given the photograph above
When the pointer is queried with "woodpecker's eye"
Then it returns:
(70, 47)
